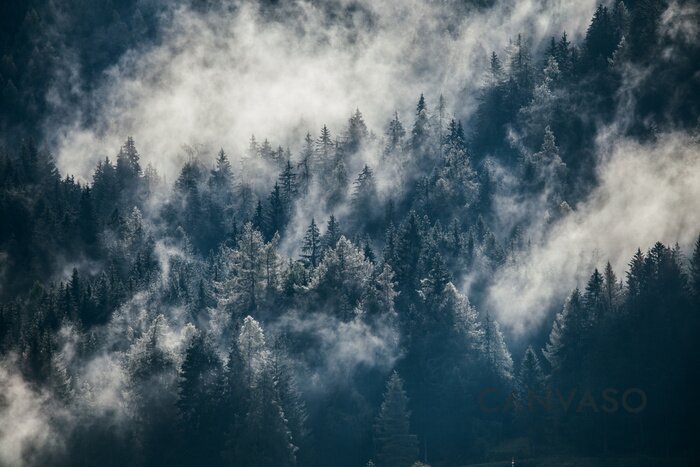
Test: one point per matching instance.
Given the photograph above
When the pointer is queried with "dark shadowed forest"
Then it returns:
(211, 254)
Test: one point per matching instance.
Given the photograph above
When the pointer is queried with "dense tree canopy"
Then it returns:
(258, 309)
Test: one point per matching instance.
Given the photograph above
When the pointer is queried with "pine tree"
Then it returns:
(276, 214)
(253, 351)
(128, 171)
(496, 352)
(562, 55)
(530, 378)
(290, 400)
(594, 296)
(342, 276)
(438, 276)
(367, 249)
(272, 265)
(532, 397)
(258, 220)
(199, 401)
(324, 150)
(332, 235)
(306, 166)
(104, 188)
(394, 134)
(421, 125)
(611, 289)
(244, 289)
(440, 119)
(129, 159)
(694, 279)
(266, 439)
(311, 249)
(364, 190)
(235, 402)
(395, 445)
(249, 158)
(636, 276)
(288, 185)
(378, 298)
(151, 382)
(221, 179)
(266, 152)
(357, 132)
(496, 69)
(568, 339)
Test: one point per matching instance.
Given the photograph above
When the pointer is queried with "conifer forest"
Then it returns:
(349, 233)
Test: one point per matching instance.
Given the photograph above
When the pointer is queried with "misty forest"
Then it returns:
(349, 233)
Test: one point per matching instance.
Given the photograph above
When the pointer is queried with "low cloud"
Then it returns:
(26, 414)
(215, 78)
(646, 193)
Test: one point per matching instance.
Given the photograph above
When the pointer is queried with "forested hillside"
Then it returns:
(464, 282)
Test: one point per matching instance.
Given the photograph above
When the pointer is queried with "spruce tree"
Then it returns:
(288, 184)
(324, 150)
(695, 271)
(395, 445)
(311, 249)
(276, 214)
(199, 402)
(394, 134)
(306, 166)
(421, 126)
(332, 235)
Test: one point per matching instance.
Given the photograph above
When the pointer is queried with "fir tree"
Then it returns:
(311, 249)
(288, 184)
(332, 235)
(695, 270)
(395, 445)
(420, 131)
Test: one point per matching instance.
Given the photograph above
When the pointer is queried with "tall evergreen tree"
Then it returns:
(276, 214)
(288, 184)
(395, 445)
(695, 270)
(421, 127)
(199, 402)
(332, 235)
(311, 249)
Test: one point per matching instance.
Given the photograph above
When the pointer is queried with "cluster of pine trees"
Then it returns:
(172, 327)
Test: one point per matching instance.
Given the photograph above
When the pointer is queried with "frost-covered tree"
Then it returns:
(495, 350)
(253, 351)
(379, 295)
(342, 274)
(566, 347)
(332, 234)
(357, 132)
(420, 133)
(311, 248)
(395, 134)
(266, 438)
(200, 401)
(323, 150)
(288, 184)
(244, 288)
(306, 166)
